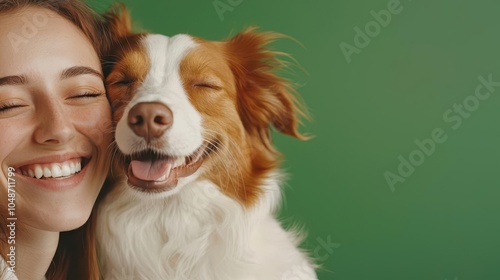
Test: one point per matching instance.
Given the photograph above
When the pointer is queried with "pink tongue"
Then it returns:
(150, 170)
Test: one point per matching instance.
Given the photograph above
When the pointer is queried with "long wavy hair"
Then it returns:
(76, 256)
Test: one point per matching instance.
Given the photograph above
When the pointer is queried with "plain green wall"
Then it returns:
(442, 221)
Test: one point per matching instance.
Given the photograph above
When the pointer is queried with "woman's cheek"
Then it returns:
(94, 122)
(14, 134)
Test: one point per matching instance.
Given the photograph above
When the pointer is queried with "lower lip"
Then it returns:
(62, 184)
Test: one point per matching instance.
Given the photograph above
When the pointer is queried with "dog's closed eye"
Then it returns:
(124, 83)
(118, 78)
(207, 84)
(121, 82)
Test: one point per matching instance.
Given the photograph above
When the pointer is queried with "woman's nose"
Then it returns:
(54, 125)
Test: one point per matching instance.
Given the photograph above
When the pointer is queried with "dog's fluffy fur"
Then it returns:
(216, 222)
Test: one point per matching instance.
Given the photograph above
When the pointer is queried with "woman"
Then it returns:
(54, 119)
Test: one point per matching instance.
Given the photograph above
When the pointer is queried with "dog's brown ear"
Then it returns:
(264, 98)
(116, 25)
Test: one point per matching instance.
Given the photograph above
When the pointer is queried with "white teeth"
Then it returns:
(168, 173)
(164, 177)
(65, 170)
(46, 172)
(179, 161)
(38, 171)
(54, 170)
(72, 167)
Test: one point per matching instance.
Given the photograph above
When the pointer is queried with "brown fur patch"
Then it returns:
(234, 88)
(210, 85)
(130, 65)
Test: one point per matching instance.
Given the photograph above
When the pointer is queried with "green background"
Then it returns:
(442, 222)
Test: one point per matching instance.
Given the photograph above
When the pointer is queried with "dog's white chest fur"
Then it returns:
(199, 234)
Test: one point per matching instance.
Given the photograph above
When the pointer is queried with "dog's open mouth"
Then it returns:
(151, 171)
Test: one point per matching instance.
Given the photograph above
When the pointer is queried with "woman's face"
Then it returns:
(54, 120)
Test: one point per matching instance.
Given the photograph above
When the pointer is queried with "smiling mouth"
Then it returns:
(151, 171)
(56, 170)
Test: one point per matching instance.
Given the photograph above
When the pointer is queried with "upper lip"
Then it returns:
(51, 159)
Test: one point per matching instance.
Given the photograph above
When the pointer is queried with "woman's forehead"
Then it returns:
(30, 45)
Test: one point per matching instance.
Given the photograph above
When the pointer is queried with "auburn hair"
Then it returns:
(76, 256)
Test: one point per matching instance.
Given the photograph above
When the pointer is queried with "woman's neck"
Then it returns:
(34, 251)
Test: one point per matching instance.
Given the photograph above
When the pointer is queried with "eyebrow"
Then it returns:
(13, 80)
(66, 74)
(79, 70)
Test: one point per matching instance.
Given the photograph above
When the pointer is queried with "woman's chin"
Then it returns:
(59, 219)
(72, 223)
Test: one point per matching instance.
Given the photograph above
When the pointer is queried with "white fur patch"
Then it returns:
(198, 234)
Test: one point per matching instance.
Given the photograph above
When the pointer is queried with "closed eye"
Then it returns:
(123, 83)
(119, 79)
(207, 85)
(9, 106)
(87, 94)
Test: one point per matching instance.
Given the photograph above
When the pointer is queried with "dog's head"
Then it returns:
(189, 109)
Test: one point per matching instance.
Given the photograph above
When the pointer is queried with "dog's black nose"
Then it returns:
(150, 119)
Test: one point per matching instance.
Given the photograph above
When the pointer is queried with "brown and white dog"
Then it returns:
(198, 176)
